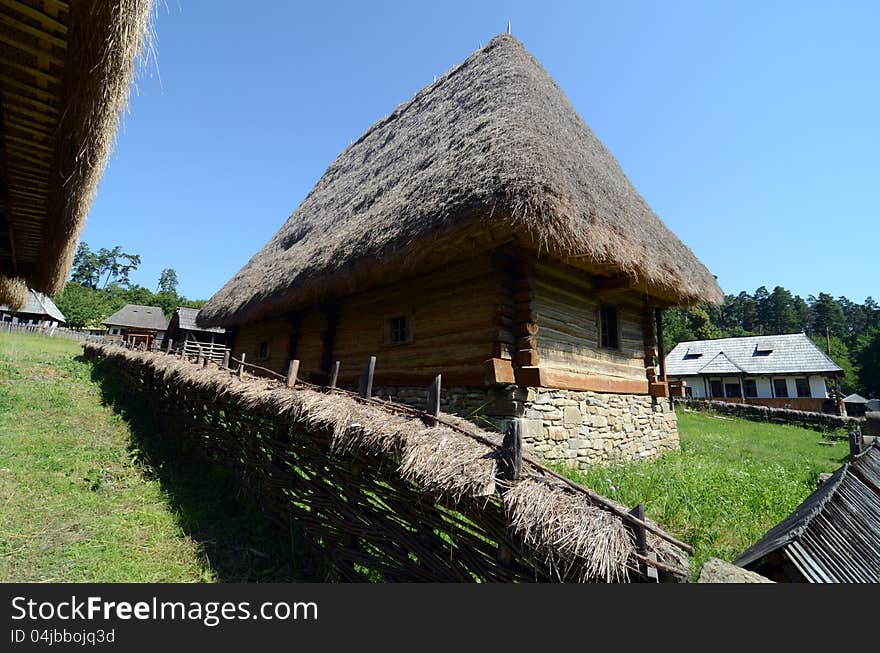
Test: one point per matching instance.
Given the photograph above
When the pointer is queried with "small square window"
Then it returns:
(716, 388)
(398, 330)
(750, 387)
(803, 387)
(608, 327)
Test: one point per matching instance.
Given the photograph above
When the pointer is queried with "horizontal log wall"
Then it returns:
(451, 313)
(568, 328)
(276, 332)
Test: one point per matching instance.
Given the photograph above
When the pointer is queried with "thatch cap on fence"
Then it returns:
(578, 536)
(492, 151)
(65, 74)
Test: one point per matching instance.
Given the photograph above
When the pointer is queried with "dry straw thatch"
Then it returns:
(92, 47)
(492, 152)
(423, 502)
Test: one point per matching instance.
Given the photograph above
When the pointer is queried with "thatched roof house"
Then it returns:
(492, 152)
(480, 230)
(65, 73)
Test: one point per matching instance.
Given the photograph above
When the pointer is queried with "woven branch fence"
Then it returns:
(383, 495)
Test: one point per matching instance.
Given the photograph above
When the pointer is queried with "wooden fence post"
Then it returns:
(226, 359)
(433, 408)
(199, 358)
(334, 376)
(510, 459)
(241, 367)
(641, 537)
(855, 442)
(168, 347)
(366, 384)
(292, 370)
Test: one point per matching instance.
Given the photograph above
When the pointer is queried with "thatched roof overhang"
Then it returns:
(65, 73)
(491, 153)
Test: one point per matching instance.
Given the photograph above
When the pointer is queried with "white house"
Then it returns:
(39, 310)
(785, 370)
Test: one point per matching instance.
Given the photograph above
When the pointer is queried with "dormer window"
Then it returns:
(692, 355)
(763, 350)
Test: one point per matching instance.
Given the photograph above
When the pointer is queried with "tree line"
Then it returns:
(100, 284)
(851, 330)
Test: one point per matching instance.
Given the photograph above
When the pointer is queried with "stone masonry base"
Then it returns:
(582, 428)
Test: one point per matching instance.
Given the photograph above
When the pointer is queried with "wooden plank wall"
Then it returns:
(452, 317)
(276, 331)
(568, 335)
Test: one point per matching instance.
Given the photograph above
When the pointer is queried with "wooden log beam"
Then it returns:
(609, 284)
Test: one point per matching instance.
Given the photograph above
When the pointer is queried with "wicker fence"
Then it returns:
(383, 492)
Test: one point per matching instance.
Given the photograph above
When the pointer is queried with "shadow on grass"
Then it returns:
(239, 543)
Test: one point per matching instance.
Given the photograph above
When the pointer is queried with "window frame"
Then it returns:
(389, 330)
(736, 394)
(260, 356)
(806, 382)
(776, 393)
(712, 393)
(605, 331)
(750, 389)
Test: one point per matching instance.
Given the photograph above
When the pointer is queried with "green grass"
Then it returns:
(91, 494)
(731, 482)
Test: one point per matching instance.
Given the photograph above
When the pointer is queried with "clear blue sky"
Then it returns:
(751, 128)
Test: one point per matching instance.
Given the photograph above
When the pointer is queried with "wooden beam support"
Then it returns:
(610, 284)
(661, 354)
(334, 375)
(541, 377)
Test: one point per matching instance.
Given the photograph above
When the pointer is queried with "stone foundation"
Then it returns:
(591, 427)
(583, 428)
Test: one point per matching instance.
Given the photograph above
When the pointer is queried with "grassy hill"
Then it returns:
(731, 482)
(84, 497)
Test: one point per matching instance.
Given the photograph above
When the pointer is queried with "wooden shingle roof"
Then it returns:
(834, 535)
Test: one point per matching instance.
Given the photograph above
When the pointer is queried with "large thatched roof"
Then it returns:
(65, 73)
(492, 151)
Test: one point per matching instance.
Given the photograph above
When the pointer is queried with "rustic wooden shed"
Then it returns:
(481, 231)
(65, 73)
(137, 324)
(183, 328)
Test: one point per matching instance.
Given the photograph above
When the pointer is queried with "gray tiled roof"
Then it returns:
(38, 304)
(789, 354)
(135, 315)
(187, 317)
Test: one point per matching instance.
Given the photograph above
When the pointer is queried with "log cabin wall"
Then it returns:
(450, 315)
(275, 332)
(568, 340)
